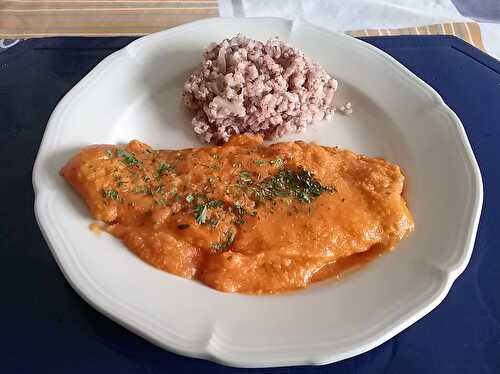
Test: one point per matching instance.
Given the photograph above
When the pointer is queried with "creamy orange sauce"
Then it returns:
(245, 217)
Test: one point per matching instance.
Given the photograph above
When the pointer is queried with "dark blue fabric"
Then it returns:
(46, 327)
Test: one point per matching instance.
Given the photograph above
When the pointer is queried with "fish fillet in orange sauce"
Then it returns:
(245, 217)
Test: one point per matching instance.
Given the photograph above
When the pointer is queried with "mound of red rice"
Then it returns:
(246, 86)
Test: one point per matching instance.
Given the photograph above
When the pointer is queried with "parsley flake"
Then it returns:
(201, 210)
(161, 202)
(201, 214)
(215, 204)
(110, 194)
(278, 162)
(213, 221)
(166, 168)
(127, 158)
(224, 245)
(239, 208)
(245, 176)
(159, 189)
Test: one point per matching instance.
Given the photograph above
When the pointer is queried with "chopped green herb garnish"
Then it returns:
(299, 184)
(239, 208)
(258, 193)
(110, 194)
(201, 213)
(161, 201)
(219, 247)
(239, 221)
(213, 221)
(162, 169)
(159, 189)
(166, 168)
(304, 196)
(127, 158)
(215, 204)
(201, 210)
(216, 167)
(190, 198)
(183, 226)
(145, 190)
(229, 239)
(239, 185)
(245, 176)
(174, 194)
(240, 211)
(259, 162)
(277, 162)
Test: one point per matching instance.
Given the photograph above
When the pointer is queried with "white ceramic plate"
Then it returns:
(136, 93)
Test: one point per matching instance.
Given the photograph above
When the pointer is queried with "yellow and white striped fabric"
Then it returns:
(40, 18)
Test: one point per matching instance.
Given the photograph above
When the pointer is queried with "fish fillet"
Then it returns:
(244, 217)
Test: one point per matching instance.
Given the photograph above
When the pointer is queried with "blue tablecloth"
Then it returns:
(46, 327)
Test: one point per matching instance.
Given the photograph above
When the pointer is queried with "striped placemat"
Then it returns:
(40, 18)
(21, 19)
(468, 31)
